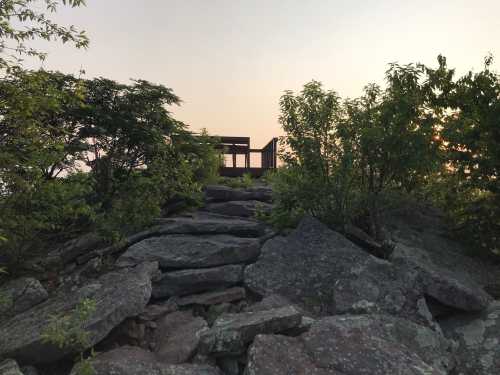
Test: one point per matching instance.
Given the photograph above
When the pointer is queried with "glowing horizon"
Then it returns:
(231, 60)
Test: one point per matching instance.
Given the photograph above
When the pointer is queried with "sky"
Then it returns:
(231, 60)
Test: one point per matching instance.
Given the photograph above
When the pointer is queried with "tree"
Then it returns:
(21, 22)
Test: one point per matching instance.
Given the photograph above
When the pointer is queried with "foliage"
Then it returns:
(68, 331)
(22, 21)
(79, 155)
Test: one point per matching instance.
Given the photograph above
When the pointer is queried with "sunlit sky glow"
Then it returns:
(230, 60)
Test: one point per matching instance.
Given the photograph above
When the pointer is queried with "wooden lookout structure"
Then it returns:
(235, 146)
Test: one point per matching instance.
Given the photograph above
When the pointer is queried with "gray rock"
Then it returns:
(419, 226)
(118, 295)
(20, 295)
(324, 273)
(450, 288)
(183, 251)
(213, 298)
(177, 336)
(156, 311)
(129, 360)
(272, 301)
(181, 283)
(478, 338)
(9, 367)
(29, 370)
(231, 333)
(353, 345)
(219, 193)
(238, 208)
(72, 249)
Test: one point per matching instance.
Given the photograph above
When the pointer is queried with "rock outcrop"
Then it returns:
(118, 295)
(353, 345)
(20, 295)
(478, 338)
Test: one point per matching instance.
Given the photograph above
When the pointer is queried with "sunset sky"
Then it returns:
(230, 60)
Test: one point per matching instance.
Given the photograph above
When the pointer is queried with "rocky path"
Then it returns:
(217, 292)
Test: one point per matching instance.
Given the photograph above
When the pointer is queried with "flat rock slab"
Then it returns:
(129, 360)
(185, 251)
(324, 273)
(238, 208)
(449, 287)
(478, 337)
(177, 336)
(21, 294)
(117, 295)
(185, 282)
(231, 333)
(353, 345)
(10, 367)
(213, 298)
(220, 193)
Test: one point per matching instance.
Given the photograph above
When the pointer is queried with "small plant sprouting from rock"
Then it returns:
(68, 331)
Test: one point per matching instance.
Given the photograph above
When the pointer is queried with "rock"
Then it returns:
(324, 273)
(272, 301)
(129, 360)
(29, 370)
(238, 208)
(345, 345)
(231, 333)
(229, 365)
(72, 249)
(117, 295)
(417, 225)
(177, 337)
(207, 224)
(183, 251)
(10, 367)
(213, 298)
(478, 337)
(20, 295)
(156, 311)
(450, 288)
(361, 238)
(181, 283)
(219, 193)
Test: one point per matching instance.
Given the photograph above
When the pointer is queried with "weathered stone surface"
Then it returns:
(353, 345)
(181, 283)
(177, 336)
(76, 247)
(129, 360)
(184, 251)
(450, 288)
(10, 367)
(238, 208)
(272, 301)
(213, 298)
(118, 295)
(231, 333)
(478, 337)
(21, 294)
(156, 311)
(324, 273)
(419, 226)
(219, 193)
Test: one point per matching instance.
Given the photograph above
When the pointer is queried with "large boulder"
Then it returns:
(21, 294)
(10, 367)
(451, 288)
(219, 193)
(129, 360)
(417, 225)
(231, 333)
(177, 336)
(181, 283)
(478, 338)
(325, 274)
(185, 251)
(238, 208)
(353, 345)
(117, 295)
